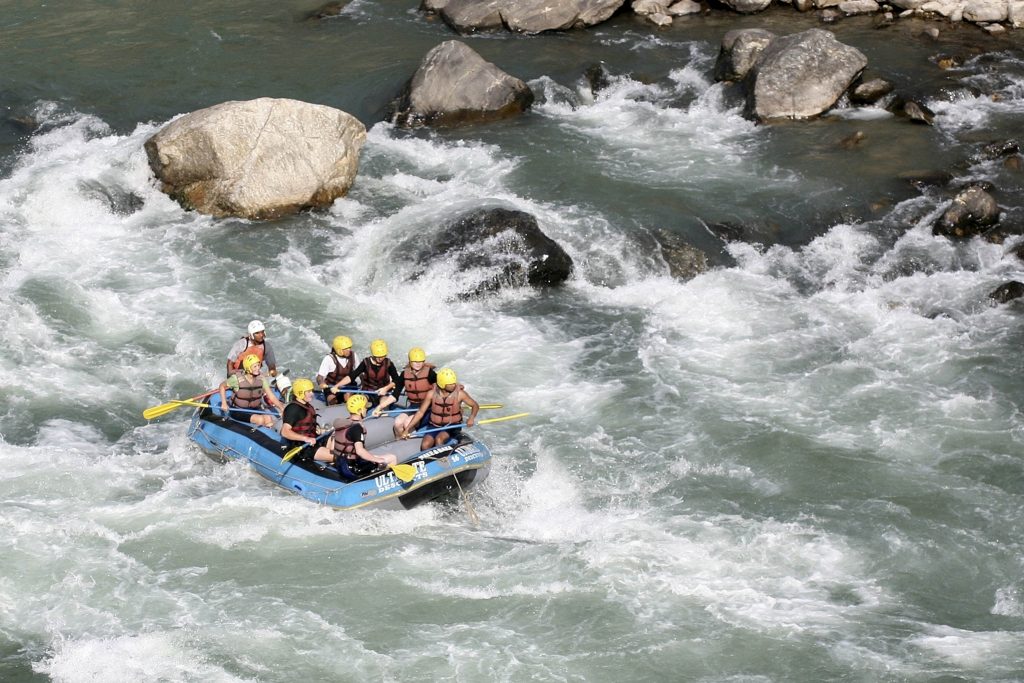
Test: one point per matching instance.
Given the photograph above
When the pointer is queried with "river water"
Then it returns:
(806, 464)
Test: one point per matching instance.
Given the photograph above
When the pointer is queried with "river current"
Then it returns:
(805, 464)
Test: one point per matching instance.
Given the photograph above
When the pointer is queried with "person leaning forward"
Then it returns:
(348, 443)
(249, 391)
(255, 341)
(445, 405)
(298, 423)
(336, 370)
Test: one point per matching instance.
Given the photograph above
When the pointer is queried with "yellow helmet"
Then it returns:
(341, 343)
(251, 363)
(378, 348)
(356, 403)
(446, 377)
(300, 387)
(417, 355)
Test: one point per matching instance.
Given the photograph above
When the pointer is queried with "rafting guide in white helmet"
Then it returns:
(255, 341)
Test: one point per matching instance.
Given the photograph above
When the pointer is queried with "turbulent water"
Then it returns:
(805, 464)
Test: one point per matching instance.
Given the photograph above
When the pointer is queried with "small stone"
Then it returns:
(931, 32)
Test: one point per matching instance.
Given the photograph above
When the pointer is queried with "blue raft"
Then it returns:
(440, 471)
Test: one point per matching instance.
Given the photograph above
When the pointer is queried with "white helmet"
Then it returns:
(256, 326)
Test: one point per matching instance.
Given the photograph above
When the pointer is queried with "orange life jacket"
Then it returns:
(250, 348)
(446, 410)
(417, 386)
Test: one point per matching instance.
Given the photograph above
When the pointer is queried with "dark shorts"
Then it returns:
(452, 433)
(240, 416)
(352, 470)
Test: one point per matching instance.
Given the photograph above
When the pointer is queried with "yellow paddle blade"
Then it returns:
(159, 411)
(502, 419)
(404, 472)
(292, 453)
(192, 403)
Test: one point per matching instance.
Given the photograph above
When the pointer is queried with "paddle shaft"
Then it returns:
(463, 424)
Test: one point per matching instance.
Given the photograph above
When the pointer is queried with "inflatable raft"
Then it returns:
(440, 471)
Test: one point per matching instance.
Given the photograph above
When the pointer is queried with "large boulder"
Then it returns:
(747, 6)
(455, 85)
(527, 16)
(506, 243)
(259, 158)
(801, 75)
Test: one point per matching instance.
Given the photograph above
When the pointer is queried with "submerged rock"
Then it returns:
(684, 260)
(870, 91)
(971, 212)
(455, 85)
(331, 9)
(259, 158)
(1006, 292)
(506, 240)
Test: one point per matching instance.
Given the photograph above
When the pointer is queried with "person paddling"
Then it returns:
(445, 405)
(299, 423)
(378, 374)
(336, 369)
(249, 391)
(417, 379)
(347, 445)
(256, 342)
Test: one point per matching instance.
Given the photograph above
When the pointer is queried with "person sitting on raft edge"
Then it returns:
(298, 423)
(445, 405)
(336, 369)
(249, 390)
(256, 342)
(348, 443)
(378, 374)
(418, 378)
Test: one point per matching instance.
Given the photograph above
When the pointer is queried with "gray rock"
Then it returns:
(684, 7)
(527, 16)
(980, 11)
(747, 6)
(739, 51)
(505, 240)
(659, 19)
(645, 7)
(433, 6)
(870, 91)
(684, 261)
(918, 113)
(853, 7)
(971, 212)
(257, 159)
(331, 9)
(1006, 292)
(801, 75)
(455, 85)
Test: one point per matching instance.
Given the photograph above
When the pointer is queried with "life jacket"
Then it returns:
(250, 392)
(446, 410)
(339, 373)
(343, 448)
(417, 386)
(375, 376)
(307, 425)
(250, 348)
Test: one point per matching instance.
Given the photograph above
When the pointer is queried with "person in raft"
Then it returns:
(348, 443)
(299, 423)
(336, 370)
(418, 378)
(255, 341)
(445, 405)
(249, 390)
(378, 374)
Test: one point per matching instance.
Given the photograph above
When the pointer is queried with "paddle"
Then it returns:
(404, 472)
(164, 408)
(236, 410)
(346, 390)
(294, 451)
(463, 424)
(396, 411)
